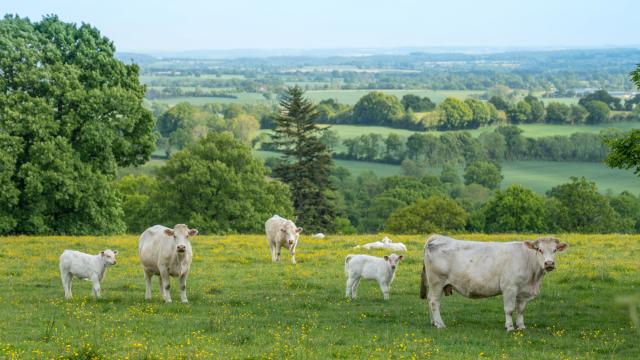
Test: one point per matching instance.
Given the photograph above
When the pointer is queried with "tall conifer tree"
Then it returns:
(306, 162)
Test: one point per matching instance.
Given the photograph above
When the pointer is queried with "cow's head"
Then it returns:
(546, 249)
(180, 234)
(291, 233)
(393, 260)
(109, 256)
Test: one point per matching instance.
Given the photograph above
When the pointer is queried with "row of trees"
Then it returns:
(420, 113)
(503, 143)
(444, 203)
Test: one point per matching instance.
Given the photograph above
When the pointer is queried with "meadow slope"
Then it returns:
(243, 306)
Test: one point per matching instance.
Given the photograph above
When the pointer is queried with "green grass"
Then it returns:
(243, 306)
(242, 98)
(541, 176)
(564, 100)
(530, 130)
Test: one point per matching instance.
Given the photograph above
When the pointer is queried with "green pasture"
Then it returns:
(243, 306)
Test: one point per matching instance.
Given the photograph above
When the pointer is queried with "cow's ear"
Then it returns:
(562, 246)
(168, 232)
(193, 232)
(400, 257)
(115, 252)
(283, 230)
(531, 245)
(386, 258)
(299, 230)
(102, 253)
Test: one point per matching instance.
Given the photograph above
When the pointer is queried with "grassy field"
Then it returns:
(539, 176)
(530, 130)
(343, 96)
(243, 306)
(242, 98)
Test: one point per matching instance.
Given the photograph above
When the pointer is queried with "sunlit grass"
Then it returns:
(242, 305)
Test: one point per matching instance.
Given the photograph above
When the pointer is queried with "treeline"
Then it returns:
(460, 147)
(449, 202)
(166, 92)
(420, 113)
(183, 124)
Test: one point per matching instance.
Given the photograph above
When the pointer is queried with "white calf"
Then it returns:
(84, 266)
(382, 270)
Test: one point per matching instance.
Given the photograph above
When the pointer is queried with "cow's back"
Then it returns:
(272, 228)
(154, 245)
(475, 269)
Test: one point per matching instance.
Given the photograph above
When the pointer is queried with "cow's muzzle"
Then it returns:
(549, 266)
(182, 248)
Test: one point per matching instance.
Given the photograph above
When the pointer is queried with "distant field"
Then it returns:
(539, 176)
(242, 98)
(564, 100)
(343, 96)
(530, 130)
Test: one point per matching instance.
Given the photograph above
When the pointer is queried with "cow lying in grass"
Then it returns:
(84, 266)
(484, 269)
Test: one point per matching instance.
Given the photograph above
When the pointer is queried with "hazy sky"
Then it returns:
(143, 25)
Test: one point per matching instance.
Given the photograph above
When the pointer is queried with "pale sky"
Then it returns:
(143, 25)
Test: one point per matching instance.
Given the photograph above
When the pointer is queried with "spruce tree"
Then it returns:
(306, 162)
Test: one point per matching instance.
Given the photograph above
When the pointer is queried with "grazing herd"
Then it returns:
(473, 269)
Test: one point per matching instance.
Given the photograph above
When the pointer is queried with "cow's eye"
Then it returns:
(540, 251)
(554, 250)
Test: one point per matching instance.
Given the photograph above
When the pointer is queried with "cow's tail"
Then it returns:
(346, 264)
(423, 283)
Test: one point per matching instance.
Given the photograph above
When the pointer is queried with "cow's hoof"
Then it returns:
(510, 329)
(439, 325)
(184, 301)
(521, 328)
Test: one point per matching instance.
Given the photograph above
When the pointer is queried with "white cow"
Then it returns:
(84, 266)
(317, 236)
(282, 233)
(166, 252)
(383, 270)
(385, 243)
(484, 269)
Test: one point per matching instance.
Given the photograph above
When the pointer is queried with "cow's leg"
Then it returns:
(509, 299)
(520, 305)
(384, 287)
(96, 286)
(292, 250)
(66, 284)
(354, 287)
(278, 251)
(147, 281)
(272, 247)
(164, 284)
(350, 282)
(183, 288)
(434, 296)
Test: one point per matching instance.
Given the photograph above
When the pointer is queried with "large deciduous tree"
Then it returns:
(70, 115)
(515, 209)
(307, 163)
(216, 184)
(435, 214)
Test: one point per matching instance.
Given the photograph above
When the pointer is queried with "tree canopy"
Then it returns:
(70, 114)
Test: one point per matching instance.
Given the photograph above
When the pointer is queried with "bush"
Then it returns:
(435, 214)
